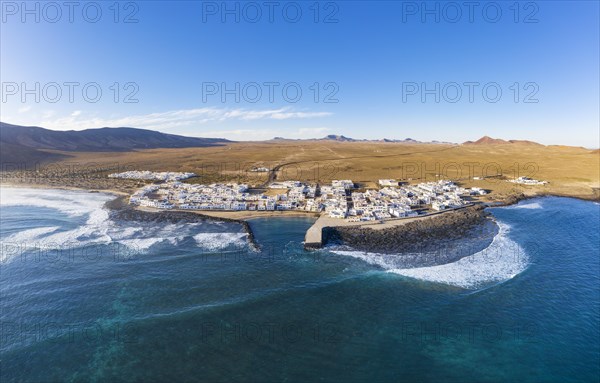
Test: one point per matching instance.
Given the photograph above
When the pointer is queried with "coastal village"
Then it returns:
(339, 199)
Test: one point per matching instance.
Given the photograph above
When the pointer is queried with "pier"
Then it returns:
(314, 235)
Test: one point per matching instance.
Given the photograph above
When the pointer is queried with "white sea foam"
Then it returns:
(534, 205)
(96, 227)
(219, 241)
(31, 234)
(72, 203)
(500, 261)
(385, 261)
(14, 245)
(141, 244)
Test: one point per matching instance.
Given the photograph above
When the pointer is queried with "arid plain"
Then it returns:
(570, 171)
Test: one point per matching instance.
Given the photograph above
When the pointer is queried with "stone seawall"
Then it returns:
(411, 236)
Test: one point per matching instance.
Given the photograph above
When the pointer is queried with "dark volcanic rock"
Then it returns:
(513, 199)
(121, 210)
(421, 235)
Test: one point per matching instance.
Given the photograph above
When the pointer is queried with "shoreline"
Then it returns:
(242, 215)
(504, 200)
(120, 209)
(326, 228)
(516, 198)
(323, 227)
(320, 233)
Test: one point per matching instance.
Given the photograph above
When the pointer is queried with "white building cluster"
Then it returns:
(334, 198)
(528, 181)
(152, 176)
(338, 200)
(231, 196)
(399, 201)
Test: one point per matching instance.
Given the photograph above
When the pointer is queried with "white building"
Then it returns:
(346, 184)
(384, 183)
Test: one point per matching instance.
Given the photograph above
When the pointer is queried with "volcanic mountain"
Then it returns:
(32, 143)
(487, 140)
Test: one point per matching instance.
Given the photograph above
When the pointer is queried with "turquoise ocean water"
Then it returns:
(85, 298)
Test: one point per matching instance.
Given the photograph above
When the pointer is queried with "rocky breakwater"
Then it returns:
(121, 210)
(417, 235)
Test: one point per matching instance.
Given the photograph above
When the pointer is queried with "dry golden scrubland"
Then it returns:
(570, 171)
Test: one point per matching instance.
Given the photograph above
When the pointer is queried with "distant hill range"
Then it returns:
(335, 137)
(29, 145)
(341, 138)
(32, 144)
(486, 140)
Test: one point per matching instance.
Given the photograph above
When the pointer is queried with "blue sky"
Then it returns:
(378, 68)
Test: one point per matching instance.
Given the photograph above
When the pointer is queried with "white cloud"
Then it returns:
(24, 109)
(267, 134)
(164, 121)
(243, 134)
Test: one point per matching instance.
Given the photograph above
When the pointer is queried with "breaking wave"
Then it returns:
(501, 260)
(220, 241)
(72, 203)
(535, 205)
(85, 222)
